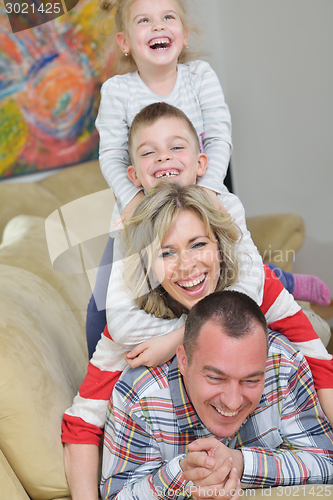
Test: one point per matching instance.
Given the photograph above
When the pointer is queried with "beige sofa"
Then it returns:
(43, 355)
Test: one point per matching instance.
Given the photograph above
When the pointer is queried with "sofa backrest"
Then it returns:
(43, 356)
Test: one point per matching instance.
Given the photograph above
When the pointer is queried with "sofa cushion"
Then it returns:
(42, 364)
(24, 246)
(74, 182)
(43, 357)
(11, 488)
(25, 198)
(278, 237)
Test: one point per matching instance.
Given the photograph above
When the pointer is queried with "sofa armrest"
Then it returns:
(43, 359)
(278, 237)
(10, 485)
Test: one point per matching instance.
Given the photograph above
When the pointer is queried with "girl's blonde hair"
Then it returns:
(147, 228)
(121, 10)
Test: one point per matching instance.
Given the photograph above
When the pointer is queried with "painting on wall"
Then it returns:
(50, 79)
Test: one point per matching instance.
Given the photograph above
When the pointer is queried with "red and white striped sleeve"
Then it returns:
(84, 421)
(284, 315)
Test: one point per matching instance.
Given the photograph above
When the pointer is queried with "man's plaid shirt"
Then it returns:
(285, 441)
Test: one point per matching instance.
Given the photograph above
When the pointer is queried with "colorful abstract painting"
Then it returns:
(50, 78)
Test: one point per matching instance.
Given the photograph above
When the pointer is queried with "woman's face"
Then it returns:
(188, 263)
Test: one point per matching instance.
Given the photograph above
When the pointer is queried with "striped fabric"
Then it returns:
(284, 315)
(83, 422)
(197, 92)
(285, 441)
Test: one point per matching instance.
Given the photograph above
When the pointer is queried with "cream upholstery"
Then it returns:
(43, 355)
(278, 237)
(42, 362)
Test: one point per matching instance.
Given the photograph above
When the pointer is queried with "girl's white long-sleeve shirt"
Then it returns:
(197, 92)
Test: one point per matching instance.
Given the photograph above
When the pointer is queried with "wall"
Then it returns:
(274, 59)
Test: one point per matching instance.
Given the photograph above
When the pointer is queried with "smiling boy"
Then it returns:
(167, 147)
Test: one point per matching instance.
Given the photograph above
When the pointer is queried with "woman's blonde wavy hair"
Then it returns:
(147, 228)
(121, 10)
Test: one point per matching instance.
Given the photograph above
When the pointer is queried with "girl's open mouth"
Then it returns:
(160, 43)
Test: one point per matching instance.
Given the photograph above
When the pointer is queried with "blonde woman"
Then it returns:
(180, 249)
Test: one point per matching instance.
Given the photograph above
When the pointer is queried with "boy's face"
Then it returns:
(166, 149)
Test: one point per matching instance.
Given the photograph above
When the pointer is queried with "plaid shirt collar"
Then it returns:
(186, 415)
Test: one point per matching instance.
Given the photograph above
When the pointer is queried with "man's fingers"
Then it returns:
(232, 486)
(196, 474)
(194, 460)
(202, 444)
(218, 476)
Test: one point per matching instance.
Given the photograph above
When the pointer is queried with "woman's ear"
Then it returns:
(131, 172)
(185, 37)
(122, 42)
(202, 164)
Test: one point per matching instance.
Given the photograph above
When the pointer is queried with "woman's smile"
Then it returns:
(193, 285)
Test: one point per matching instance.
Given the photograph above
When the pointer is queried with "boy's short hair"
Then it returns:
(154, 112)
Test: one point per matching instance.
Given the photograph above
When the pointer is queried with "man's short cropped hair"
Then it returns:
(154, 112)
(236, 313)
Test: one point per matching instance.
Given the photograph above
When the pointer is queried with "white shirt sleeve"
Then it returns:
(251, 278)
(113, 129)
(217, 126)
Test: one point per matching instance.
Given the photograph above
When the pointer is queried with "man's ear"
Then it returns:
(131, 172)
(202, 164)
(122, 41)
(182, 359)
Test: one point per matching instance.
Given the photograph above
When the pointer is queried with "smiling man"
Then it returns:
(235, 406)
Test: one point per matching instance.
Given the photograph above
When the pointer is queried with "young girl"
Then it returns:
(152, 46)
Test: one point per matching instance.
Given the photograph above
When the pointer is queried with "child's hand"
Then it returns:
(326, 400)
(214, 198)
(156, 351)
(129, 209)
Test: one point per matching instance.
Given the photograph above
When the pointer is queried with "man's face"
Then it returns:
(166, 149)
(225, 378)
